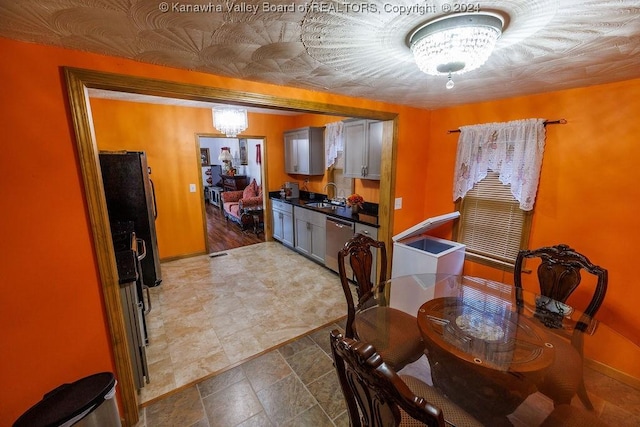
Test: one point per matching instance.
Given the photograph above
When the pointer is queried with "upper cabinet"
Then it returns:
(304, 151)
(362, 149)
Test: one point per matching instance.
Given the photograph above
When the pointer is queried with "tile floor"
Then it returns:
(294, 385)
(282, 377)
(213, 312)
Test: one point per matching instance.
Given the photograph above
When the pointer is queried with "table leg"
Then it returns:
(256, 223)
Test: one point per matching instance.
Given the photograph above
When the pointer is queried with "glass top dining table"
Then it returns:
(490, 346)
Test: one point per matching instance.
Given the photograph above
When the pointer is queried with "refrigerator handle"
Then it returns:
(143, 245)
(153, 196)
(148, 310)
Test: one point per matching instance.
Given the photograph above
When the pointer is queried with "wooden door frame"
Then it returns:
(79, 81)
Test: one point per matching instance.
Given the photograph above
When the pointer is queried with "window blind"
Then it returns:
(491, 222)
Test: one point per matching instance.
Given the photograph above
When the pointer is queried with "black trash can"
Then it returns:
(88, 402)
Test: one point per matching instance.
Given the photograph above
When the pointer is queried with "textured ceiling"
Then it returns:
(352, 48)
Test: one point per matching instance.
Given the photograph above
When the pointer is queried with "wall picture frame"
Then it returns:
(205, 159)
(244, 151)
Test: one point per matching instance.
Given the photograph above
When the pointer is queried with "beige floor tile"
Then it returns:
(242, 345)
(189, 372)
(210, 313)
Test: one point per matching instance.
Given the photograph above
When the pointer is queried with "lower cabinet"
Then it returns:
(310, 233)
(305, 230)
(282, 214)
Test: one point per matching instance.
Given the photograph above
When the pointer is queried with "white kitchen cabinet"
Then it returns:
(372, 232)
(282, 214)
(362, 149)
(304, 151)
(310, 233)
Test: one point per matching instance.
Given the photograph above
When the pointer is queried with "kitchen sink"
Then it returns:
(321, 205)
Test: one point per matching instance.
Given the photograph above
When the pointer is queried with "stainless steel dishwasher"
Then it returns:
(339, 231)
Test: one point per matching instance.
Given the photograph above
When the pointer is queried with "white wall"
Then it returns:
(252, 170)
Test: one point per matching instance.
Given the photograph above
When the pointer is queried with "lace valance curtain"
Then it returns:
(512, 149)
(333, 142)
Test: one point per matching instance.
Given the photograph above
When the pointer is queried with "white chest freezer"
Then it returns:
(414, 252)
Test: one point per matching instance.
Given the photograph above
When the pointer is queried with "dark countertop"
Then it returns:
(367, 216)
(126, 263)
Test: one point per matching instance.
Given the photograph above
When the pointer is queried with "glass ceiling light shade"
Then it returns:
(230, 121)
(455, 44)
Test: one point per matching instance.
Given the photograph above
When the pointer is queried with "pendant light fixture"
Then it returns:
(230, 120)
(455, 44)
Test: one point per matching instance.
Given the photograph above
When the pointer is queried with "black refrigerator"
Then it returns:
(131, 197)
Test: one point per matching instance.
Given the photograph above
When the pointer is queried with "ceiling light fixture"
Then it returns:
(230, 121)
(455, 44)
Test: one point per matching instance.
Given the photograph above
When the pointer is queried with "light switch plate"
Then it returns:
(192, 188)
(398, 204)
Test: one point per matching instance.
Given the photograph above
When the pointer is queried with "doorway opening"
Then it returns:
(79, 81)
(238, 224)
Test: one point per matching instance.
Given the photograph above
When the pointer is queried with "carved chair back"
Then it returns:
(373, 391)
(559, 274)
(358, 253)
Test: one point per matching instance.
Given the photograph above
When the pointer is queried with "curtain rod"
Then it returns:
(546, 122)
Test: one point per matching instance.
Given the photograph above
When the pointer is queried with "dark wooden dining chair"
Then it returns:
(377, 396)
(393, 332)
(558, 276)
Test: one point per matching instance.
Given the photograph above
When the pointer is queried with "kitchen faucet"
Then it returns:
(334, 186)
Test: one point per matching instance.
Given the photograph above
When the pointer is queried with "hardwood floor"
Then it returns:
(223, 235)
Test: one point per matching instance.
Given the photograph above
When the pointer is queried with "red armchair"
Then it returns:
(234, 202)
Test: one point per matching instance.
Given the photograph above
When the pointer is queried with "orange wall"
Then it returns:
(588, 195)
(167, 134)
(51, 311)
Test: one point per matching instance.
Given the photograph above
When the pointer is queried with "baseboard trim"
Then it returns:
(623, 377)
(175, 258)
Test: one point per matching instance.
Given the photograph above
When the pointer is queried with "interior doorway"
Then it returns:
(79, 81)
(222, 230)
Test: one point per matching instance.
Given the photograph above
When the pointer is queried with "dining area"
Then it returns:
(453, 349)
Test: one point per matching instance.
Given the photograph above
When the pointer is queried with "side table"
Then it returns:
(216, 199)
(253, 217)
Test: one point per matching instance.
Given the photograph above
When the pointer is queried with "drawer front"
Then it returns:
(310, 216)
(281, 206)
